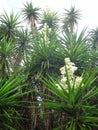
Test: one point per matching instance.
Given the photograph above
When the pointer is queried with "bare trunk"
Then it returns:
(33, 25)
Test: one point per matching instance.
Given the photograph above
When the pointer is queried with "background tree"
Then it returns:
(70, 19)
(31, 14)
(94, 37)
(23, 47)
(50, 18)
(8, 26)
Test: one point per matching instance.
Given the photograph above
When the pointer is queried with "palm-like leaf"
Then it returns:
(94, 57)
(77, 48)
(8, 25)
(10, 94)
(70, 19)
(46, 55)
(30, 13)
(6, 58)
(23, 46)
(94, 37)
(72, 104)
(50, 18)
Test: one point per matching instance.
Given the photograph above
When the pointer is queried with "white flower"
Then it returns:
(58, 86)
(65, 87)
(68, 67)
(73, 79)
(73, 69)
(63, 80)
(71, 64)
(78, 81)
(70, 75)
(62, 70)
(67, 60)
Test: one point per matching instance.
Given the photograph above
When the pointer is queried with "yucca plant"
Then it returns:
(94, 37)
(23, 47)
(50, 18)
(70, 19)
(77, 48)
(8, 26)
(71, 99)
(6, 57)
(47, 56)
(94, 57)
(31, 14)
(12, 102)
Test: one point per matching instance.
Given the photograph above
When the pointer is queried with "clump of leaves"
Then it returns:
(11, 99)
(70, 101)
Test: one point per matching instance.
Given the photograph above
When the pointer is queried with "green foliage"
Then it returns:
(47, 56)
(94, 58)
(6, 52)
(23, 47)
(8, 25)
(50, 18)
(72, 104)
(28, 11)
(76, 47)
(41, 53)
(70, 19)
(10, 101)
(94, 37)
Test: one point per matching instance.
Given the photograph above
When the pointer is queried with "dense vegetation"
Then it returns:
(48, 71)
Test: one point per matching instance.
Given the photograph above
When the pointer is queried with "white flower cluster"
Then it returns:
(70, 68)
(45, 31)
